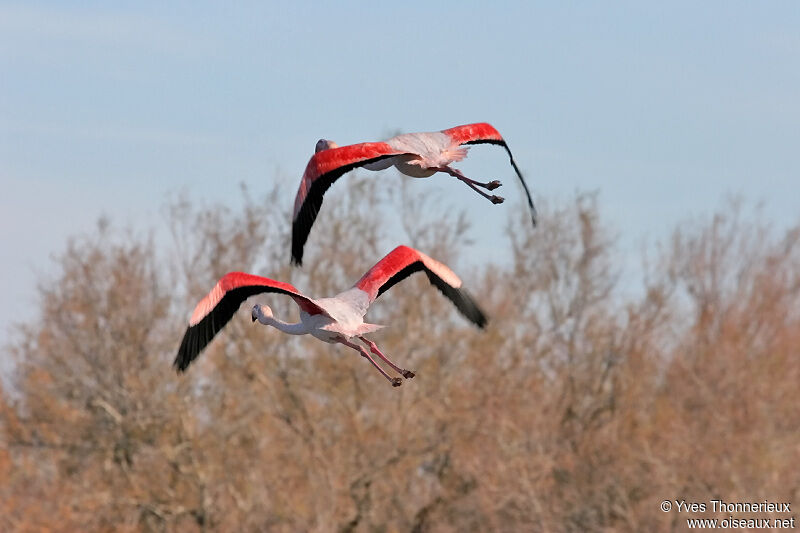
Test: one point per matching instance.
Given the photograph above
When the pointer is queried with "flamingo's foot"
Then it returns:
(408, 374)
(396, 382)
(497, 199)
(492, 185)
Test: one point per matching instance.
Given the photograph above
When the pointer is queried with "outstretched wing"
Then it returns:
(404, 261)
(483, 133)
(323, 169)
(217, 308)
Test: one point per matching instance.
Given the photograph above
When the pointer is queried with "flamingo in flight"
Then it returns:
(419, 155)
(339, 319)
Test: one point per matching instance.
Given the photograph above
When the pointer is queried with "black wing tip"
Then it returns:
(184, 358)
(177, 364)
(531, 207)
(191, 347)
(504, 144)
(297, 256)
(301, 228)
(180, 364)
(481, 321)
(471, 311)
(462, 300)
(297, 251)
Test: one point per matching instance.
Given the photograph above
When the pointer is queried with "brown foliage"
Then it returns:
(577, 409)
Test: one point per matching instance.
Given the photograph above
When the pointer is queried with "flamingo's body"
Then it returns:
(335, 320)
(419, 155)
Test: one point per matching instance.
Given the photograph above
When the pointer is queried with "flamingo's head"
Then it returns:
(325, 144)
(261, 312)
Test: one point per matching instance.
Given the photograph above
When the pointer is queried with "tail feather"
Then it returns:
(369, 328)
(455, 153)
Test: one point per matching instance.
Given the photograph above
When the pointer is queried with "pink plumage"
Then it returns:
(467, 133)
(334, 320)
(237, 280)
(418, 155)
(328, 161)
(374, 282)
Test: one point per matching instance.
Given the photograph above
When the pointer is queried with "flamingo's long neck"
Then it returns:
(297, 328)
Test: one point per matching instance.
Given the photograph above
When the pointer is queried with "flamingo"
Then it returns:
(419, 155)
(334, 320)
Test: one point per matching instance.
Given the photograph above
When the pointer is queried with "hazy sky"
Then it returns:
(664, 108)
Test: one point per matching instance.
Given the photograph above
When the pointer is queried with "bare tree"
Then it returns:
(575, 410)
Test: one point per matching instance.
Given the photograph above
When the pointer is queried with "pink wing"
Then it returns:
(322, 170)
(483, 133)
(218, 307)
(474, 134)
(404, 261)
(326, 166)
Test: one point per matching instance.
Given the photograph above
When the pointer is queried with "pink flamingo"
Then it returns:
(334, 320)
(419, 155)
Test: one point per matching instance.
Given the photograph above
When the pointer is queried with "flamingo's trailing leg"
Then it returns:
(408, 374)
(396, 382)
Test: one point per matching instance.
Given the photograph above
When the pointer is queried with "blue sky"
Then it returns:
(664, 108)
